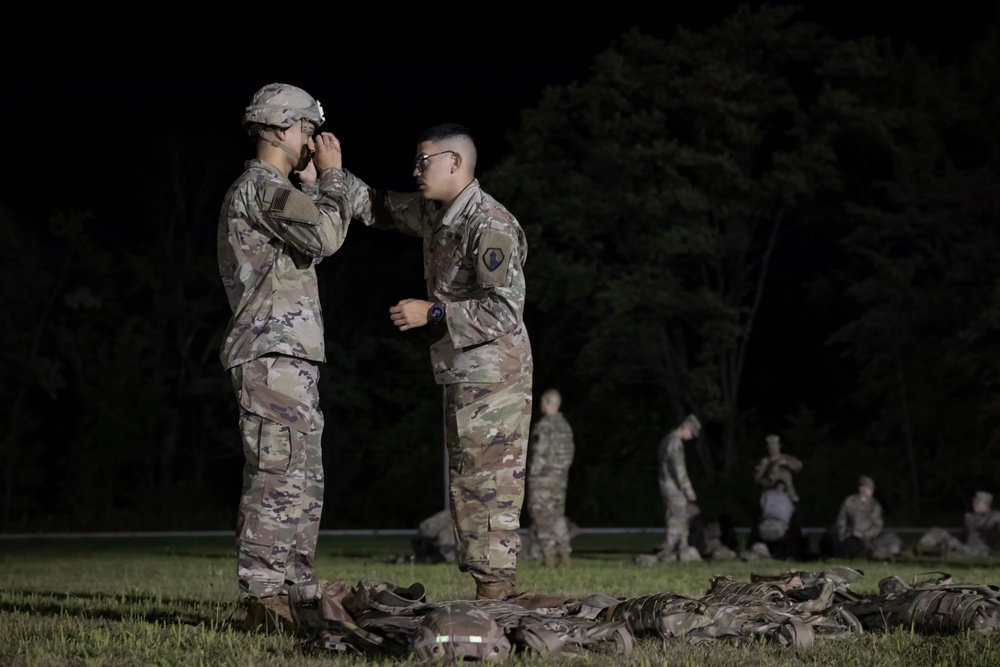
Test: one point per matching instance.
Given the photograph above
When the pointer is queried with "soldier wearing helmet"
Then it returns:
(271, 236)
(278, 106)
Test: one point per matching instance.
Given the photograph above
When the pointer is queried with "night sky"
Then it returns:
(93, 93)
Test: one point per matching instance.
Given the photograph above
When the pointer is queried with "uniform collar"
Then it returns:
(267, 166)
(460, 203)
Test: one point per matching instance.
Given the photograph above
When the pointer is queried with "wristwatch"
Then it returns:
(436, 313)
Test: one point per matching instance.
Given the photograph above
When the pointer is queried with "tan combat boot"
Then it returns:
(564, 559)
(548, 560)
(269, 614)
(494, 590)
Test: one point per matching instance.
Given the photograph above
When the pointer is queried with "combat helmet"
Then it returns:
(281, 105)
(459, 630)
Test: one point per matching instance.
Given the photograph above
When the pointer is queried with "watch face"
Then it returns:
(437, 313)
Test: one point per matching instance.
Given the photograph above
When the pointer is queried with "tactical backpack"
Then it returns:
(933, 606)
(735, 611)
(381, 618)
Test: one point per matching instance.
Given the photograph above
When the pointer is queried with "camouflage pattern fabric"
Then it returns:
(982, 536)
(738, 612)
(793, 609)
(675, 486)
(861, 517)
(270, 237)
(459, 631)
(769, 472)
(933, 606)
(485, 428)
(676, 518)
(982, 530)
(282, 499)
(550, 456)
(389, 620)
(474, 254)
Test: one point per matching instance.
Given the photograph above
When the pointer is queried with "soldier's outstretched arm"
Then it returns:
(395, 211)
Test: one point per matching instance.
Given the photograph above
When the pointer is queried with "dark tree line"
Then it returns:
(775, 229)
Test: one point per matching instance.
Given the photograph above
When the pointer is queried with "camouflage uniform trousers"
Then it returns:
(676, 519)
(941, 538)
(282, 500)
(487, 432)
(547, 505)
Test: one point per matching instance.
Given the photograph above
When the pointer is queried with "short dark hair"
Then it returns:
(445, 131)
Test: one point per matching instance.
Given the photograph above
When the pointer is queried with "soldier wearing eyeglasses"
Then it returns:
(474, 254)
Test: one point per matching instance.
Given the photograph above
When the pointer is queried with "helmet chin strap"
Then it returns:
(276, 142)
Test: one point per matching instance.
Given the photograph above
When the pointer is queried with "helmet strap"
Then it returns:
(270, 138)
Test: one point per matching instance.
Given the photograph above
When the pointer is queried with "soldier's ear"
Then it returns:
(456, 161)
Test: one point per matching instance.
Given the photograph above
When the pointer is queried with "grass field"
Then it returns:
(173, 601)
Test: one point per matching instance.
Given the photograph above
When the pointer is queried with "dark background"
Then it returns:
(105, 110)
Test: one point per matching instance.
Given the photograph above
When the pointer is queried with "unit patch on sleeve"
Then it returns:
(495, 249)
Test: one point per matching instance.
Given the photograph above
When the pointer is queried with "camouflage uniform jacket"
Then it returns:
(861, 517)
(270, 237)
(474, 254)
(767, 471)
(673, 471)
(982, 530)
(551, 447)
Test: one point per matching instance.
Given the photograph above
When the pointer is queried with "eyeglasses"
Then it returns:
(421, 162)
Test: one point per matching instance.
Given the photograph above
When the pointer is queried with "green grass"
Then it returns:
(173, 601)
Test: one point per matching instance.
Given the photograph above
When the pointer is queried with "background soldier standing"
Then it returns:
(271, 235)
(676, 490)
(474, 253)
(982, 532)
(777, 467)
(550, 456)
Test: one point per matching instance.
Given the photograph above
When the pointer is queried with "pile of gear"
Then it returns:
(793, 609)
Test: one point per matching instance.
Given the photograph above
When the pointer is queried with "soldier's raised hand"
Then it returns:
(327, 152)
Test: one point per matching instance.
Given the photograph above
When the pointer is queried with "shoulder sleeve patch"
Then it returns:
(289, 205)
(495, 251)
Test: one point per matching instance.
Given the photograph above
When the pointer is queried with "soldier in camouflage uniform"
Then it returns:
(474, 254)
(982, 532)
(676, 490)
(777, 466)
(271, 236)
(858, 530)
(550, 456)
